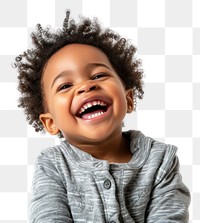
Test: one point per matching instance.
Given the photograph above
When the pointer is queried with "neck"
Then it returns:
(114, 150)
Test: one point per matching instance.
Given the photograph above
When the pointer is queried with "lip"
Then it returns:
(85, 100)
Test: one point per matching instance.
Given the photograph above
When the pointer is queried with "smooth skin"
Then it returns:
(77, 74)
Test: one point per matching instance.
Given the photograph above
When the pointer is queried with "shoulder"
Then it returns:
(152, 153)
(165, 160)
(163, 151)
(161, 160)
(52, 156)
(152, 146)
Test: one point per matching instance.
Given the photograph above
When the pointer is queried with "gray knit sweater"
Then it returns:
(70, 185)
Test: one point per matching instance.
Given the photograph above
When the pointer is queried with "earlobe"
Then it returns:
(49, 124)
(130, 100)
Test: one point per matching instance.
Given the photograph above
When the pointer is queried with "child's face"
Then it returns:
(76, 77)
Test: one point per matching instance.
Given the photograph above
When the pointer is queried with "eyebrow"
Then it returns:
(69, 72)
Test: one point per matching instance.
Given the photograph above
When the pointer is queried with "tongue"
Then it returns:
(89, 114)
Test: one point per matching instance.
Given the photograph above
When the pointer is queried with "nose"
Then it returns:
(87, 87)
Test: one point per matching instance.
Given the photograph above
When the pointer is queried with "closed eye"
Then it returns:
(64, 87)
(100, 75)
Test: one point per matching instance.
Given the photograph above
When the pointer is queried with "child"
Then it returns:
(79, 83)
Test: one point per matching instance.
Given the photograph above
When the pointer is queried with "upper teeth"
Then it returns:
(90, 104)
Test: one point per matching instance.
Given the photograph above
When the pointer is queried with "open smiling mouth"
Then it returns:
(93, 109)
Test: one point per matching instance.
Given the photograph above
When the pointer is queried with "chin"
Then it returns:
(101, 136)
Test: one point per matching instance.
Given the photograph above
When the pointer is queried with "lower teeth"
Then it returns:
(95, 115)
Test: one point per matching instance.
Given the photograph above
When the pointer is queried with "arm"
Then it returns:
(49, 203)
(170, 198)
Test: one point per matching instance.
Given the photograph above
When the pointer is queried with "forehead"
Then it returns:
(76, 55)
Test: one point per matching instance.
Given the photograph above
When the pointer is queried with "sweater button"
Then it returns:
(107, 184)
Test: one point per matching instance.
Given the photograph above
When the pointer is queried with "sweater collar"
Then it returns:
(140, 146)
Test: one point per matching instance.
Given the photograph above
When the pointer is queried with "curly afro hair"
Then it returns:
(46, 42)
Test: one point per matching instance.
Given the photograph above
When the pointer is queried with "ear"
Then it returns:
(130, 100)
(49, 124)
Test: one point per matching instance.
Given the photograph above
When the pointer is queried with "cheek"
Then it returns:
(60, 106)
(120, 99)
(122, 103)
